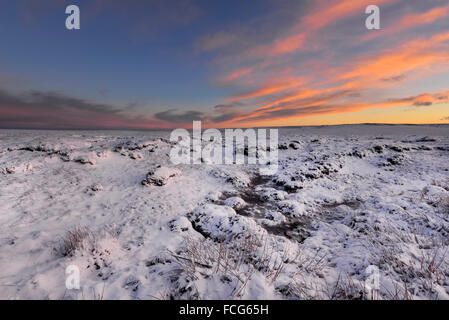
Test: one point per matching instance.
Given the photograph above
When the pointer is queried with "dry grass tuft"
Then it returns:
(237, 261)
(345, 288)
(76, 239)
(445, 204)
(441, 184)
(400, 291)
(432, 265)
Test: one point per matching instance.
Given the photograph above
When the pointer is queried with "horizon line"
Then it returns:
(166, 129)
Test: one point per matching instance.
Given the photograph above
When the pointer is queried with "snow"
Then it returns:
(235, 202)
(160, 175)
(344, 198)
(222, 223)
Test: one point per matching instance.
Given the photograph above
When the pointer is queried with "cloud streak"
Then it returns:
(40, 109)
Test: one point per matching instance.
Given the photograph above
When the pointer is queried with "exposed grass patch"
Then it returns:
(82, 239)
(441, 184)
(235, 262)
(78, 238)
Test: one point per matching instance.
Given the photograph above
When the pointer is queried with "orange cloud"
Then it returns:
(267, 89)
(410, 56)
(331, 88)
(288, 44)
(424, 99)
(296, 37)
(298, 110)
(413, 20)
(424, 18)
(337, 10)
(237, 74)
(322, 16)
(369, 71)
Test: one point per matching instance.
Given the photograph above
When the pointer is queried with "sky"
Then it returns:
(163, 64)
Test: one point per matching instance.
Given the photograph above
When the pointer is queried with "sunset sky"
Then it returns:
(163, 64)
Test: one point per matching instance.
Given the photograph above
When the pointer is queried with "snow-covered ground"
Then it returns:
(137, 227)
